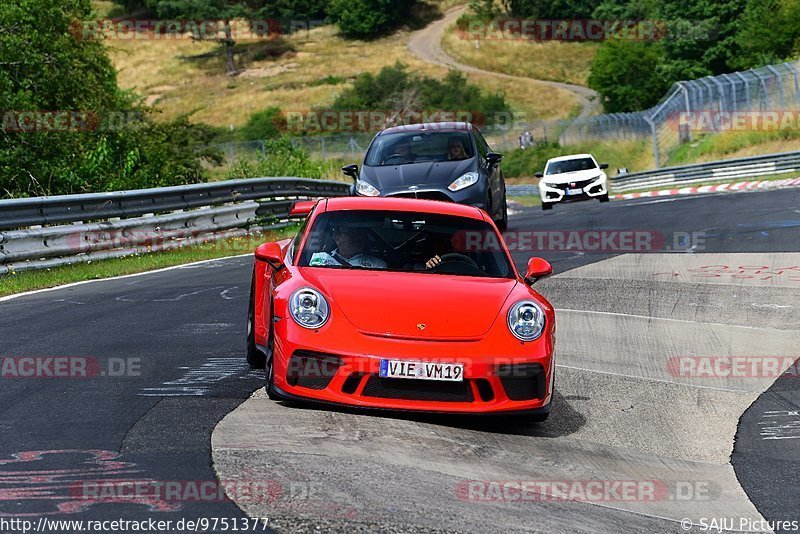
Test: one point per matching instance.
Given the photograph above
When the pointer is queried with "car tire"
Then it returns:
(502, 224)
(603, 198)
(255, 357)
(269, 371)
(547, 205)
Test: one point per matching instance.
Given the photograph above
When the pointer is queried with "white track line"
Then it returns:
(121, 277)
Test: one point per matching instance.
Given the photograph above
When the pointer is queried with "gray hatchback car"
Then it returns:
(449, 161)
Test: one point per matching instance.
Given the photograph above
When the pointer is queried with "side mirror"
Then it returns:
(494, 158)
(538, 174)
(270, 253)
(537, 269)
(604, 165)
(302, 208)
(351, 171)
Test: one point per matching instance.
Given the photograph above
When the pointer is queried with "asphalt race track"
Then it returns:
(166, 357)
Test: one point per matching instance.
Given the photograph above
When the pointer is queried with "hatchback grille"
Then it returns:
(425, 195)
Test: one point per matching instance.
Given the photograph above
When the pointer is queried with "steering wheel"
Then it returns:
(455, 256)
(393, 156)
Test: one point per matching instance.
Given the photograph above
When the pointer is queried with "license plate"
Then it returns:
(574, 191)
(446, 372)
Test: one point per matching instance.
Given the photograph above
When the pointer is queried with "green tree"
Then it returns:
(224, 11)
(367, 18)
(41, 57)
(780, 43)
(554, 9)
(623, 73)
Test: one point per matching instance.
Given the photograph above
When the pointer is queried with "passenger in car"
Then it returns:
(351, 244)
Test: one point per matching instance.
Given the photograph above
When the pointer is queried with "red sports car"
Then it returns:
(401, 304)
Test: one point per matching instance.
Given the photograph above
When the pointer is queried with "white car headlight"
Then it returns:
(309, 308)
(466, 180)
(526, 320)
(363, 188)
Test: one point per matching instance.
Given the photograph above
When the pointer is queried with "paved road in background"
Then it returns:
(180, 336)
(426, 44)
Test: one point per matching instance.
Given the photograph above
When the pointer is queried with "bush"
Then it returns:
(393, 88)
(281, 158)
(364, 19)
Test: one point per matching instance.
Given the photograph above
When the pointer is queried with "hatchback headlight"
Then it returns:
(309, 308)
(526, 320)
(464, 181)
(366, 189)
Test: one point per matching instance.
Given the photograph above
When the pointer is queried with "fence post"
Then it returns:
(763, 99)
(655, 139)
(746, 89)
(779, 78)
(688, 108)
(324, 151)
(793, 70)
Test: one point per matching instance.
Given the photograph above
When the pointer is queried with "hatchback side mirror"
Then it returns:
(537, 269)
(604, 165)
(494, 158)
(351, 171)
(538, 175)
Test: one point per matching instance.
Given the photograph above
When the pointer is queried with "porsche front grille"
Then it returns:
(419, 390)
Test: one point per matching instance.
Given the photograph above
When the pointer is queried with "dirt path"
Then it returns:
(427, 45)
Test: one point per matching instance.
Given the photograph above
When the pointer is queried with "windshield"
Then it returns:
(416, 147)
(406, 242)
(570, 165)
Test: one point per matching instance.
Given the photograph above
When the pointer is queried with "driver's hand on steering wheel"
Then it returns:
(433, 262)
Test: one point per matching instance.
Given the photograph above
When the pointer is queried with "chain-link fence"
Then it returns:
(713, 103)
(708, 104)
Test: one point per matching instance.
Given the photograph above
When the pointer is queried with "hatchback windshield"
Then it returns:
(405, 241)
(570, 165)
(416, 147)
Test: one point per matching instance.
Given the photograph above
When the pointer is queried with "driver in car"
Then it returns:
(401, 149)
(349, 252)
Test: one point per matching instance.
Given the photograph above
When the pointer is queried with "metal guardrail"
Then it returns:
(44, 232)
(684, 175)
(754, 166)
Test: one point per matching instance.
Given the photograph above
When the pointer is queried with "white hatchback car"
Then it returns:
(572, 178)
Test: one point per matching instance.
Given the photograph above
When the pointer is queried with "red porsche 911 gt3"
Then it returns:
(401, 304)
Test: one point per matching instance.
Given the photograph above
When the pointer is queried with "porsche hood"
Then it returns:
(414, 305)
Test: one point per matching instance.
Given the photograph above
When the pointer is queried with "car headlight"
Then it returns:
(526, 320)
(466, 180)
(363, 188)
(309, 308)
